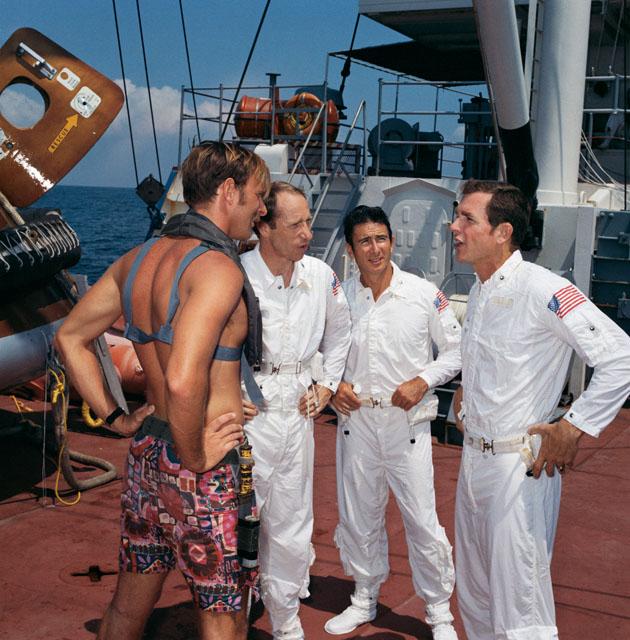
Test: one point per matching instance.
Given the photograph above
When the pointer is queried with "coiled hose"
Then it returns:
(59, 403)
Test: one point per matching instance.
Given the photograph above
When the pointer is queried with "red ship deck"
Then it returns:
(47, 547)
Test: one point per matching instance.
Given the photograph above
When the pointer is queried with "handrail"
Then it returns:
(308, 139)
(331, 176)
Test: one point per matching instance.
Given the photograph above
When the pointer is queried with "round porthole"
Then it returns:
(22, 104)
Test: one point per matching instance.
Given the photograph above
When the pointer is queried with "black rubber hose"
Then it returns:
(68, 455)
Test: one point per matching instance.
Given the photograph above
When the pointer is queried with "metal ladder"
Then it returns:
(339, 193)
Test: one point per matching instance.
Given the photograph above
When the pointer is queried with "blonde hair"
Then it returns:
(209, 164)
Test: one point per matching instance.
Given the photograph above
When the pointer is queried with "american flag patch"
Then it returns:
(335, 284)
(565, 300)
(440, 301)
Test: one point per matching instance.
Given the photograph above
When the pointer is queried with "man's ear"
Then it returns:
(350, 251)
(264, 230)
(505, 231)
(229, 191)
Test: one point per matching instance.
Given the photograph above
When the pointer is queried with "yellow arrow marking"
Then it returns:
(70, 122)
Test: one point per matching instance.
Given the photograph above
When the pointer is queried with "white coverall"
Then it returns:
(521, 328)
(391, 344)
(308, 316)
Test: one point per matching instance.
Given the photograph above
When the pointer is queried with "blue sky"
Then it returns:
(294, 41)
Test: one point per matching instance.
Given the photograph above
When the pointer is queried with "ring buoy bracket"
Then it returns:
(80, 103)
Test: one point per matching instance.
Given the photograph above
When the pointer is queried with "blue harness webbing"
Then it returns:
(165, 332)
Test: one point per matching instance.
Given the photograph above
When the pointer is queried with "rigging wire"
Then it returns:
(345, 72)
(594, 171)
(601, 36)
(240, 83)
(192, 88)
(614, 49)
(146, 73)
(122, 68)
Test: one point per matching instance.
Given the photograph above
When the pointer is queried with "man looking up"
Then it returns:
(522, 325)
(386, 405)
(187, 306)
(304, 311)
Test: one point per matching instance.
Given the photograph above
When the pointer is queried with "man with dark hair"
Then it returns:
(385, 406)
(522, 325)
(507, 204)
(179, 501)
(304, 311)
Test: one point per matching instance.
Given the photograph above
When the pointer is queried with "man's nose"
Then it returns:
(306, 230)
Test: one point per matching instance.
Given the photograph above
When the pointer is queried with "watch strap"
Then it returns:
(117, 412)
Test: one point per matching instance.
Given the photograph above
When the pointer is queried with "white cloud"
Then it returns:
(459, 133)
(21, 105)
(166, 102)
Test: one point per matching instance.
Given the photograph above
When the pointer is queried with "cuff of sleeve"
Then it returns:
(579, 421)
(431, 380)
(329, 384)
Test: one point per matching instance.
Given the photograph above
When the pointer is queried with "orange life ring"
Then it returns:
(301, 122)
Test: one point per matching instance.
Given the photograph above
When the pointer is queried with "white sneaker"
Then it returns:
(349, 620)
(444, 631)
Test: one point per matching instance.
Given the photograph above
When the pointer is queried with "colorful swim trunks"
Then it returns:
(172, 516)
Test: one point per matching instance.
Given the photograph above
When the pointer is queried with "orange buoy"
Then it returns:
(253, 118)
(128, 367)
(301, 122)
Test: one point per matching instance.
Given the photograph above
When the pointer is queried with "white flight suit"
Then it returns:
(521, 328)
(391, 344)
(308, 316)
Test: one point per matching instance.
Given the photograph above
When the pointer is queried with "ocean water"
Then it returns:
(108, 220)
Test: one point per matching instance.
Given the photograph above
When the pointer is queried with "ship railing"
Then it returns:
(597, 133)
(354, 180)
(224, 99)
(438, 85)
(300, 159)
(336, 237)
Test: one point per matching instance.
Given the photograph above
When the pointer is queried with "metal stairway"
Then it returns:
(335, 203)
(610, 282)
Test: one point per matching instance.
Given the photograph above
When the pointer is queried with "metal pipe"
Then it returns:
(561, 99)
(500, 43)
(181, 130)
(378, 133)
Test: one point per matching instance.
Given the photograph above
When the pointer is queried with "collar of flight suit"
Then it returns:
(395, 288)
(298, 278)
(503, 272)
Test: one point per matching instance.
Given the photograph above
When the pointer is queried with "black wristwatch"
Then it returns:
(118, 411)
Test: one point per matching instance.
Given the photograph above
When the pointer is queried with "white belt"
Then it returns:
(504, 446)
(373, 403)
(283, 368)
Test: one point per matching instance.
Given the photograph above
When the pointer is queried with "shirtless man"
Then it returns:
(179, 494)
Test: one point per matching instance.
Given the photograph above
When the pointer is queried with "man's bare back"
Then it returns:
(188, 390)
(221, 320)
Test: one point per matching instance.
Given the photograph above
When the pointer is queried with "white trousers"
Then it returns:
(373, 457)
(282, 447)
(505, 523)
